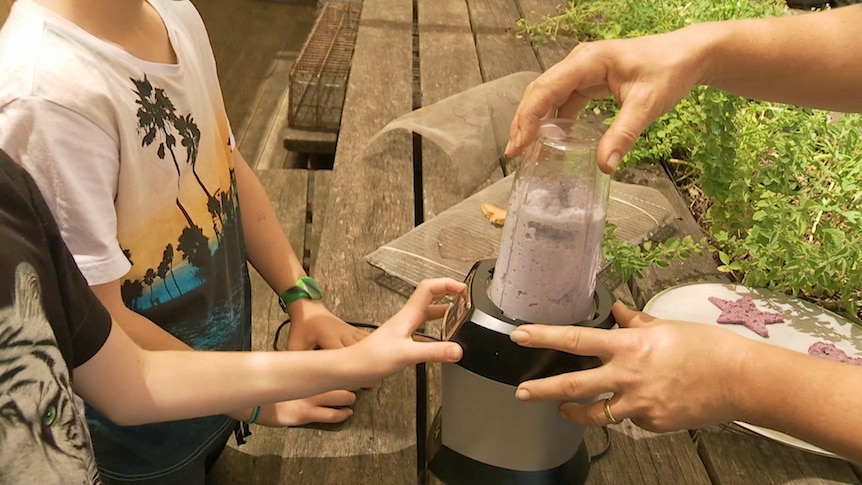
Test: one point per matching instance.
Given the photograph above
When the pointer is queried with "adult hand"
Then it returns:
(391, 347)
(328, 407)
(665, 375)
(316, 327)
(647, 76)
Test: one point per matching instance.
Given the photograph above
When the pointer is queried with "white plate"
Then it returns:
(804, 324)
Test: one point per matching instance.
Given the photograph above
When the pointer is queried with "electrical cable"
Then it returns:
(372, 326)
(595, 456)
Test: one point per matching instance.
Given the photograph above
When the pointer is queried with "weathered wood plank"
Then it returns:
(500, 53)
(247, 37)
(257, 461)
(737, 458)
(448, 64)
(254, 61)
(307, 141)
(637, 456)
(377, 445)
(319, 188)
(548, 52)
(262, 138)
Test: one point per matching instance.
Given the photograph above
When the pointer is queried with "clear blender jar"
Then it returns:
(551, 243)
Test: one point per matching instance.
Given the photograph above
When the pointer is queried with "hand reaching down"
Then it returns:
(313, 327)
(328, 407)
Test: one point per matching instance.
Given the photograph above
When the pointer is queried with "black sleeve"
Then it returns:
(29, 234)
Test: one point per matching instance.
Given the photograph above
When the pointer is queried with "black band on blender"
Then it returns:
(490, 353)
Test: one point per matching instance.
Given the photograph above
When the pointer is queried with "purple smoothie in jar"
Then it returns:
(551, 245)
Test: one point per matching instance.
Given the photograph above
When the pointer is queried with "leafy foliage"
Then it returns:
(783, 184)
(627, 261)
(611, 19)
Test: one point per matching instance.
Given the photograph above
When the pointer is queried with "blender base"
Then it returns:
(453, 468)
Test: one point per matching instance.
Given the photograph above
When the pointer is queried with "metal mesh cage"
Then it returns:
(318, 79)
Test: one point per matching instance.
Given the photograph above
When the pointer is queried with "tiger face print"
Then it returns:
(43, 437)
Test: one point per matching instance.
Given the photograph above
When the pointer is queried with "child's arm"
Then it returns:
(271, 254)
(328, 408)
(133, 386)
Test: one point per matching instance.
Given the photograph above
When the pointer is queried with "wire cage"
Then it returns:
(318, 78)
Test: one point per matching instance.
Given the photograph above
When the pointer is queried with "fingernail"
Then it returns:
(519, 140)
(614, 160)
(453, 354)
(519, 336)
(522, 394)
(508, 147)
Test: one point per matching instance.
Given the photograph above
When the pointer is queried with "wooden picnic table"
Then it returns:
(408, 55)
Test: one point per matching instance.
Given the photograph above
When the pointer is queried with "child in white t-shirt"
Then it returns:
(115, 109)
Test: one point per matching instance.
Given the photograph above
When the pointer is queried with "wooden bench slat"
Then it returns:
(245, 48)
(500, 53)
(448, 65)
(738, 458)
(377, 444)
(637, 456)
(548, 52)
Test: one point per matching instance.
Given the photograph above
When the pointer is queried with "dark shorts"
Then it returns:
(194, 473)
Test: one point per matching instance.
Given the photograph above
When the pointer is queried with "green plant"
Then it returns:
(794, 223)
(608, 19)
(627, 261)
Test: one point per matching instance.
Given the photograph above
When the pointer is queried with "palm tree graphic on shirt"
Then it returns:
(161, 125)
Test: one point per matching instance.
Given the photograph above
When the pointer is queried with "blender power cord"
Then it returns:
(595, 456)
(372, 326)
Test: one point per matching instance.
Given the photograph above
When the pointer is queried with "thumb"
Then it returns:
(634, 116)
(436, 352)
(628, 318)
(580, 414)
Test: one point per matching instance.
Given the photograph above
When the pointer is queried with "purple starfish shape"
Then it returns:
(743, 311)
(831, 352)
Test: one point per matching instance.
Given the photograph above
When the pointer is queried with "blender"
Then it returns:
(545, 273)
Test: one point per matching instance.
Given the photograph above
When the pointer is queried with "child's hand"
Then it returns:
(392, 347)
(328, 407)
(314, 326)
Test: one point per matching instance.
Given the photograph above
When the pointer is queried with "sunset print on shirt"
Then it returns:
(191, 245)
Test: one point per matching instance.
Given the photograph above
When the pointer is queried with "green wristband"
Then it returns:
(254, 415)
(305, 287)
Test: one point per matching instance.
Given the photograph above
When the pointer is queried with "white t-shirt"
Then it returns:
(135, 161)
(68, 114)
